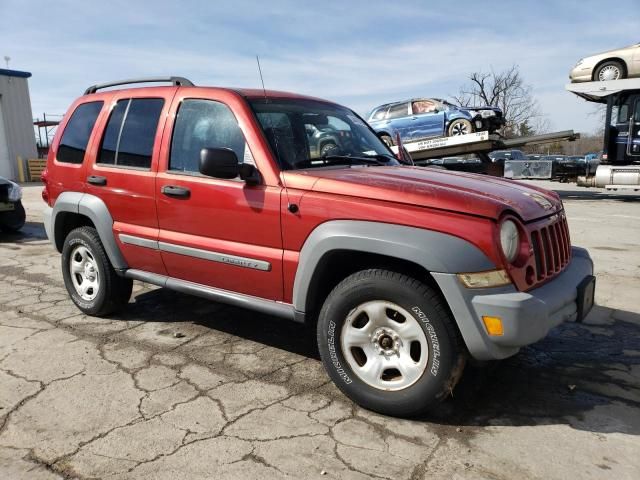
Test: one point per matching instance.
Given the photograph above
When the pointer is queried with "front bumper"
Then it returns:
(489, 124)
(12, 215)
(581, 74)
(526, 316)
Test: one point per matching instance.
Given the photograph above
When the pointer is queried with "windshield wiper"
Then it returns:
(351, 160)
(383, 157)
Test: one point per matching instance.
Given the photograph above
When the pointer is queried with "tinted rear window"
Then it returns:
(75, 138)
(131, 144)
(398, 111)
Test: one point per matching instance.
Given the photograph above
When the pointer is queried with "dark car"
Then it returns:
(420, 118)
(12, 215)
(564, 168)
(500, 156)
(325, 138)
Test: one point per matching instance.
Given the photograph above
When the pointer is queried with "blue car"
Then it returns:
(420, 118)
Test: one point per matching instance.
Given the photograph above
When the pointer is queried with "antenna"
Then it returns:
(292, 207)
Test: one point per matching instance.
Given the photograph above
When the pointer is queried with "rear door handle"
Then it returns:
(175, 191)
(97, 180)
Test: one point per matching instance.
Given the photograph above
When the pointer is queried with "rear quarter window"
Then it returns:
(77, 132)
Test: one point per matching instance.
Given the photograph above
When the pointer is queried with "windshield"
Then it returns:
(308, 133)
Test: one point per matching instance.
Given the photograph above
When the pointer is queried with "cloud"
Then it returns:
(358, 53)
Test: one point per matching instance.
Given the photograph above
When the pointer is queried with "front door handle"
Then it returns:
(97, 180)
(175, 191)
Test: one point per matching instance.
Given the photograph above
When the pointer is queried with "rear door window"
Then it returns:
(75, 138)
(130, 133)
(398, 111)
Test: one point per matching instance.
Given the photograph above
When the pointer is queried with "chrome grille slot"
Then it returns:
(551, 248)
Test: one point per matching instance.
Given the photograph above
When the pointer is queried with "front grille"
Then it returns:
(551, 248)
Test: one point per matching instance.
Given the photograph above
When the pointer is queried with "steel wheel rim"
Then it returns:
(384, 345)
(610, 72)
(85, 275)
(460, 128)
(326, 148)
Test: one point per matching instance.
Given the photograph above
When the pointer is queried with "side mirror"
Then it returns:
(223, 163)
(219, 163)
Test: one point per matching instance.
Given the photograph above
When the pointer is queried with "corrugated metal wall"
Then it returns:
(18, 121)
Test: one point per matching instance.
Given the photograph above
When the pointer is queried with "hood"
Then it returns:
(614, 51)
(472, 194)
(486, 107)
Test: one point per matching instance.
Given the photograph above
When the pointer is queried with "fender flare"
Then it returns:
(96, 210)
(434, 251)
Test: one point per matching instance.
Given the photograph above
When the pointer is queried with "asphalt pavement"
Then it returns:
(177, 387)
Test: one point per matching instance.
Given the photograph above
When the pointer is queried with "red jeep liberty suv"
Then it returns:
(220, 192)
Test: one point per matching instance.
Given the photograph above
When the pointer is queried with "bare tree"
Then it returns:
(508, 91)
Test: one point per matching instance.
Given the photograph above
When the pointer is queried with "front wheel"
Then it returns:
(389, 343)
(91, 281)
(609, 71)
(327, 149)
(460, 127)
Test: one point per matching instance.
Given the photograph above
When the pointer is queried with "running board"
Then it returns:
(270, 307)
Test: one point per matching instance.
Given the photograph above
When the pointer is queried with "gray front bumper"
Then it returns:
(526, 316)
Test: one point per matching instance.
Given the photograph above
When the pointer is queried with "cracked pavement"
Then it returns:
(178, 387)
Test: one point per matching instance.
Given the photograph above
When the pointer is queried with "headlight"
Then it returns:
(15, 192)
(509, 240)
(489, 279)
(579, 62)
(487, 113)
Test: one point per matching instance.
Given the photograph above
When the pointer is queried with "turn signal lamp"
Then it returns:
(493, 325)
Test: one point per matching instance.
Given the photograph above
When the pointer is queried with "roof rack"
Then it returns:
(177, 81)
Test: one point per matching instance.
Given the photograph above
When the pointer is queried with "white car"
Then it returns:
(611, 65)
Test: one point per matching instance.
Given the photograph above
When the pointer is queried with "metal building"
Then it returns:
(16, 123)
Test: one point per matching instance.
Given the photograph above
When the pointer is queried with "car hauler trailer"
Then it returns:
(620, 165)
(424, 152)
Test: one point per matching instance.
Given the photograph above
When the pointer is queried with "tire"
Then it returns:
(105, 291)
(387, 140)
(348, 317)
(459, 126)
(326, 148)
(12, 221)
(611, 70)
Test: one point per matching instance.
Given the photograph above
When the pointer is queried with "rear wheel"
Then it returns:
(389, 343)
(460, 126)
(609, 71)
(91, 281)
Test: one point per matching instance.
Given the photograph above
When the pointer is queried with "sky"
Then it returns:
(357, 53)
